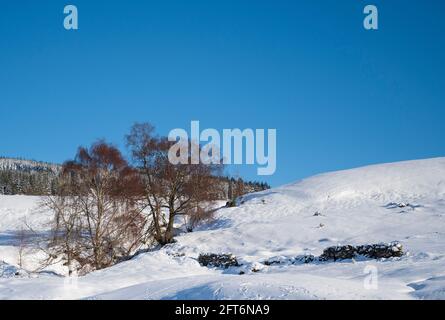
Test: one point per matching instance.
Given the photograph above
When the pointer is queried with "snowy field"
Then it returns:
(402, 202)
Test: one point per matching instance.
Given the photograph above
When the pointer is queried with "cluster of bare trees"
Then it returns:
(106, 209)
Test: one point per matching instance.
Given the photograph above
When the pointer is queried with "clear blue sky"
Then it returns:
(339, 96)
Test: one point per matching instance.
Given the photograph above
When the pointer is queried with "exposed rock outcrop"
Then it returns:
(212, 260)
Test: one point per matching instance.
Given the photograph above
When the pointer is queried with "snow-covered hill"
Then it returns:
(27, 177)
(28, 165)
(401, 201)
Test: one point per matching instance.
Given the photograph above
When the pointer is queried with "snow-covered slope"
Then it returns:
(28, 165)
(401, 201)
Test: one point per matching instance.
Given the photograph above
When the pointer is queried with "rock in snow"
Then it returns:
(218, 260)
(374, 251)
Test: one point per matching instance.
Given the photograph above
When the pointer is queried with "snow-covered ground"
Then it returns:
(358, 206)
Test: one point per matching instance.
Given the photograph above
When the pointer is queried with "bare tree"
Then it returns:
(96, 219)
(64, 243)
(22, 247)
(170, 189)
